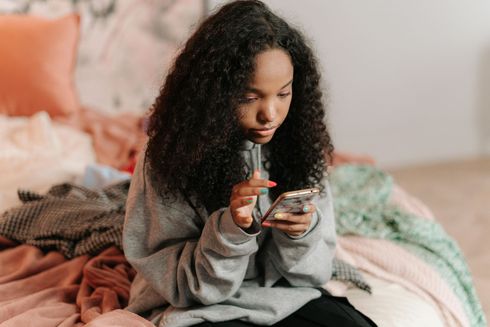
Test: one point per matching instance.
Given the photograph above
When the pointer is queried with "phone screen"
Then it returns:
(293, 201)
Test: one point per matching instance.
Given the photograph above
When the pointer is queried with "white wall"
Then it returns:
(408, 81)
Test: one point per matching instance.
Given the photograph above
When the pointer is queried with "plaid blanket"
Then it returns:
(70, 219)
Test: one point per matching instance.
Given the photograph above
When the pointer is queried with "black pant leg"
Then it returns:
(327, 311)
(231, 323)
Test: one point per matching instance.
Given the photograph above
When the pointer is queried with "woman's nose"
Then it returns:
(268, 112)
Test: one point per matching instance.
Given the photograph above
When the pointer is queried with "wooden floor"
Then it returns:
(459, 195)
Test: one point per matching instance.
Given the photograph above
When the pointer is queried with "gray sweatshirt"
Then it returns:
(193, 267)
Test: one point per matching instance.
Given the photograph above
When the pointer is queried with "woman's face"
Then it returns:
(266, 102)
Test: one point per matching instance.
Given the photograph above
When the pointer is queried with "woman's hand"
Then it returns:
(244, 197)
(293, 224)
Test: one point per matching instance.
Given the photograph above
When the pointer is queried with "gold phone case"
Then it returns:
(292, 201)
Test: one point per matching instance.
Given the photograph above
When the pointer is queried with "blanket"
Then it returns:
(75, 220)
(71, 219)
(61, 292)
(34, 213)
(362, 208)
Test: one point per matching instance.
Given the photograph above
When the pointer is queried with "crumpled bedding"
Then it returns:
(74, 221)
(36, 153)
(362, 208)
(53, 291)
(70, 219)
(116, 138)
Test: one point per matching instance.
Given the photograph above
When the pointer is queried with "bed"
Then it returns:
(70, 132)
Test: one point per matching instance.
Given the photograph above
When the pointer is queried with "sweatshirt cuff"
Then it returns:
(231, 231)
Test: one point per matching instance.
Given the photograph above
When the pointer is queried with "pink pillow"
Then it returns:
(37, 61)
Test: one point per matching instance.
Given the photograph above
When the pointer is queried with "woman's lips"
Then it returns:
(264, 131)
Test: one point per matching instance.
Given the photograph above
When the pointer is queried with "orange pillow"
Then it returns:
(37, 61)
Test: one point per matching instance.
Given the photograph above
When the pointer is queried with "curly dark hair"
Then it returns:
(194, 135)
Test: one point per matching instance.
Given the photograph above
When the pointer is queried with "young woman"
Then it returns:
(238, 121)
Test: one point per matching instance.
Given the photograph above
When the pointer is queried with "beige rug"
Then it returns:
(459, 195)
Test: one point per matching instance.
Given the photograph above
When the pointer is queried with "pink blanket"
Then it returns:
(48, 290)
(116, 139)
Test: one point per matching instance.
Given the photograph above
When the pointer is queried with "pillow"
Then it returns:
(37, 62)
(125, 46)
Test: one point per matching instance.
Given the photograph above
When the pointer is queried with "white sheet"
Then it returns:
(36, 153)
(391, 305)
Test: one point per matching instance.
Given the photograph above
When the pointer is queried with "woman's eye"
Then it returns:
(284, 95)
(248, 100)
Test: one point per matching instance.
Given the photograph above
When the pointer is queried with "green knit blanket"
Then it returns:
(361, 202)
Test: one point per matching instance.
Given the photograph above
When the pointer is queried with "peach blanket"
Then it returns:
(52, 291)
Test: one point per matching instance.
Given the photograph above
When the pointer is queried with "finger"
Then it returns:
(243, 221)
(304, 209)
(255, 180)
(296, 233)
(250, 191)
(293, 218)
(287, 227)
(281, 216)
(241, 202)
(252, 187)
(260, 182)
(310, 207)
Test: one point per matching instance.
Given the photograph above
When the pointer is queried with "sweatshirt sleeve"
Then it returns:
(184, 259)
(306, 260)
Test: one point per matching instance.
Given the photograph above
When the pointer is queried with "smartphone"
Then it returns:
(292, 201)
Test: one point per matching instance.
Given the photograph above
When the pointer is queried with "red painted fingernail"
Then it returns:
(272, 184)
